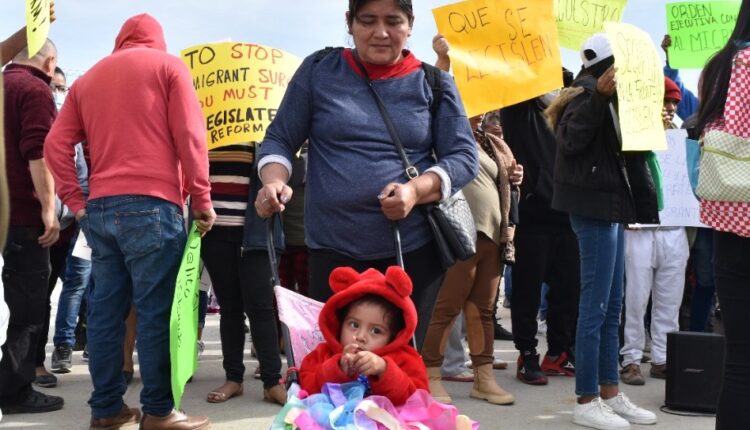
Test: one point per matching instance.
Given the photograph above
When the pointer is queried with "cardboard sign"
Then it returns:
(680, 205)
(699, 29)
(502, 51)
(577, 20)
(183, 322)
(240, 87)
(640, 88)
(37, 24)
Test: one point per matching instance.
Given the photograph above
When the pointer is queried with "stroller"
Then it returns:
(299, 326)
(299, 314)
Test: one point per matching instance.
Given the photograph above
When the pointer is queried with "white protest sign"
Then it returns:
(680, 205)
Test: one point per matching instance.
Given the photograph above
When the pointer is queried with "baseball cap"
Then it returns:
(595, 49)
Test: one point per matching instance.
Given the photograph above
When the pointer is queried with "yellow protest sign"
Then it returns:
(579, 19)
(502, 51)
(37, 24)
(240, 87)
(640, 88)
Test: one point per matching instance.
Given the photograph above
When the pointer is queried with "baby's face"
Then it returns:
(365, 324)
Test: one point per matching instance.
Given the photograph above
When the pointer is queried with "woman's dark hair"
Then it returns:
(394, 316)
(59, 71)
(356, 5)
(718, 70)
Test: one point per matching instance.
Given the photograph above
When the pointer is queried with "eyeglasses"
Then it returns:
(59, 88)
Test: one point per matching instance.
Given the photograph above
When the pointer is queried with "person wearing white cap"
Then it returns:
(602, 188)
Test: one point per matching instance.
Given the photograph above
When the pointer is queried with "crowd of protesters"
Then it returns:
(550, 189)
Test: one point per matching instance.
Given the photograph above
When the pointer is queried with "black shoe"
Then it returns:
(529, 371)
(36, 402)
(85, 355)
(501, 333)
(47, 380)
(62, 359)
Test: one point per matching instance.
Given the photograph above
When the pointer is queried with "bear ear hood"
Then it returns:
(348, 285)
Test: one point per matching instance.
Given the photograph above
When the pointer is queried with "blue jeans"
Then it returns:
(602, 248)
(137, 244)
(703, 264)
(75, 279)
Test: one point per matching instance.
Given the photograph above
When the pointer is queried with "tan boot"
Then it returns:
(486, 388)
(174, 421)
(436, 386)
(275, 394)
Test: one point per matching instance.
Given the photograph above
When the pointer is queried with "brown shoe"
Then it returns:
(658, 371)
(631, 375)
(275, 394)
(174, 421)
(125, 417)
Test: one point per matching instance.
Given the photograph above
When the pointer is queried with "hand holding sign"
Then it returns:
(503, 51)
(607, 83)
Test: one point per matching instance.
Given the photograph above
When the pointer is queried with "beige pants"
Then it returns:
(470, 285)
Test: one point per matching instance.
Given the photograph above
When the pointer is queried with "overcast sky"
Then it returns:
(86, 29)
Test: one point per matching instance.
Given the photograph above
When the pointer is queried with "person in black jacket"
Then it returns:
(602, 188)
(546, 248)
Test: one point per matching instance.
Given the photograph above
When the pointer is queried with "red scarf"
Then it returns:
(407, 64)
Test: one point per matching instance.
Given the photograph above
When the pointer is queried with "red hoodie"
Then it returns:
(139, 113)
(404, 372)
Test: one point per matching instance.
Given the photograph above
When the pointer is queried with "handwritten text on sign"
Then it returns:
(579, 19)
(502, 51)
(680, 205)
(37, 24)
(240, 87)
(640, 88)
(183, 321)
(699, 29)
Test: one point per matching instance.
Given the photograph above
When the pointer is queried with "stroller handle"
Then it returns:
(274, 262)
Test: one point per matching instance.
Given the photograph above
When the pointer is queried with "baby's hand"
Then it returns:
(347, 359)
(369, 364)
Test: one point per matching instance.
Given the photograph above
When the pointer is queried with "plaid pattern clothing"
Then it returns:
(230, 168)
(733, 217)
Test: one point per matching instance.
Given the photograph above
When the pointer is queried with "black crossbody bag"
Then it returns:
(450, 220)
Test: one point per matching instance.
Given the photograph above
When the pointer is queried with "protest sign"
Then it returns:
(640, 87)
(579, 19)
(37, 24)
(502, 51)
(699, 29)
(183, 322)
(240, 87)
(680, 205)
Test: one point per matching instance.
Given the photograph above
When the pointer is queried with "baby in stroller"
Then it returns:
(367, 326)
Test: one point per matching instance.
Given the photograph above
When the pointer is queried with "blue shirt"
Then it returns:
(352, 157)
(689, 103)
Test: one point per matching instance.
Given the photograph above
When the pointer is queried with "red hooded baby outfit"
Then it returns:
(405, 371)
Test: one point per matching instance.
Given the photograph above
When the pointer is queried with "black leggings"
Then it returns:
(242, 284)
(422, 265)
(732, 279)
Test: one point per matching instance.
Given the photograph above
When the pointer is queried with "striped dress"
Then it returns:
(230, 168)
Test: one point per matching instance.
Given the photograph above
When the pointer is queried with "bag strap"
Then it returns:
(434, 80)
(409, 169)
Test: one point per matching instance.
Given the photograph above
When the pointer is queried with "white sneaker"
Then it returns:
(597, 415)
(626, 409)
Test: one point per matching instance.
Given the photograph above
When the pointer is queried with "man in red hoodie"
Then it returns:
(138, 111)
